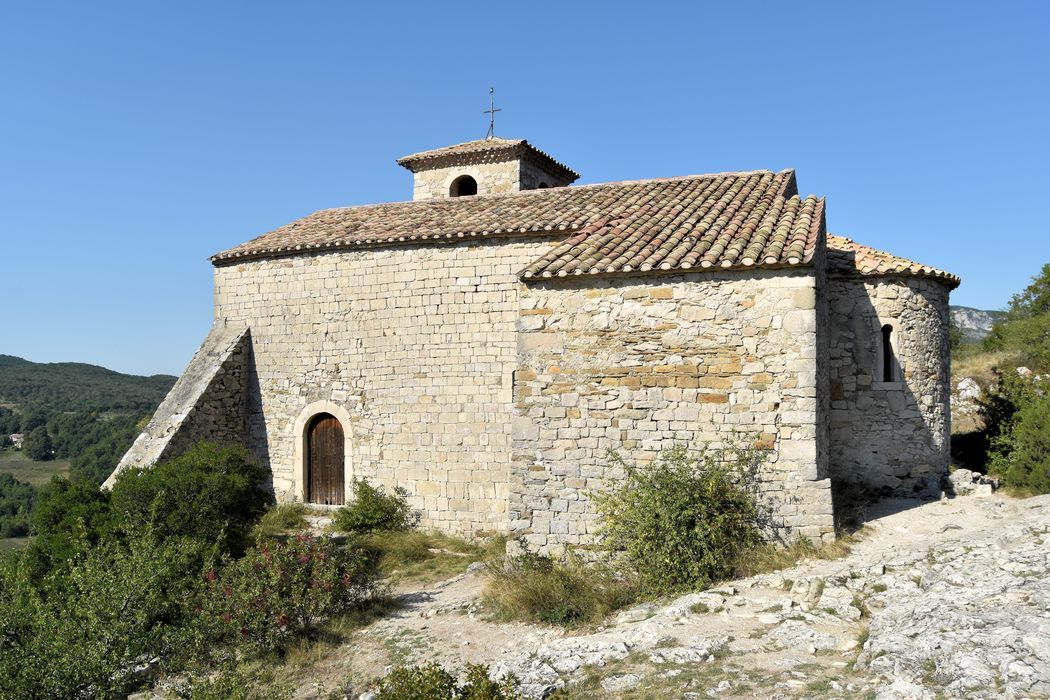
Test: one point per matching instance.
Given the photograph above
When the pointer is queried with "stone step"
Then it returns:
(319, 524)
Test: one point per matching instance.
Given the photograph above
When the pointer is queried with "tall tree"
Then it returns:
(38, 445)
(1025, 331)
(1035, 299)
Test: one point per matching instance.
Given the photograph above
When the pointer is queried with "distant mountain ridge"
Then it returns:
(974, 324)
(75, 386)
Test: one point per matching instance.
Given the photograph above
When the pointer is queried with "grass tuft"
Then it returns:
(768, 557)
(280, 519)
(425, 557)
(538, 588)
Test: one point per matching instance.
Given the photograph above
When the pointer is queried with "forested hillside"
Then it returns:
(73, 386)
(76, 418)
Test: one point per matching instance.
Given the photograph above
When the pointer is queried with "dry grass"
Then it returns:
(425, 557)
(24, 469)
(537, 588)
(1016, 491)
(13, 544)
(773, 557)
(978, 364)
(280, 519)
(308, 651)
(966, 425)
(568, 592)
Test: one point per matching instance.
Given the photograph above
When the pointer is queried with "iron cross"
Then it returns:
(491, 111)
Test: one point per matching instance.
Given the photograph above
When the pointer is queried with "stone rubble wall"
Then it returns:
(208, 402)
(416, 344)
(638, 365)
(889, 436)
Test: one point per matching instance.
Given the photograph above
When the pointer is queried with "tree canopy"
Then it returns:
(1025, 330)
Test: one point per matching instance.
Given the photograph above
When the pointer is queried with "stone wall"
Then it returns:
(639, 365)
(889, 436)
(512, 174)
(208, 402)
(492, 178)
(536, 173)
(416, 346)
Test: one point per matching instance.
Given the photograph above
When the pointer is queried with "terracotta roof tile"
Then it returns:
(724, 220)
(846, 257)
(729, 221)
(493, 148)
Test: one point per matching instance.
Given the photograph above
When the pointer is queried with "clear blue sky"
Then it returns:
(138, 138)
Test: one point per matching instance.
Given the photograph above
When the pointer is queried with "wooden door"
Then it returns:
(324, 471)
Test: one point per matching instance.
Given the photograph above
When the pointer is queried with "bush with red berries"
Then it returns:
(281, 590)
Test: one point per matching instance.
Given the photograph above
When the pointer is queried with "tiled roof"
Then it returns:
(728, 221)
(490, 147)
(725, 220)
(846, 257)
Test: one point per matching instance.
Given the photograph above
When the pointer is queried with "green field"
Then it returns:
(24, 469)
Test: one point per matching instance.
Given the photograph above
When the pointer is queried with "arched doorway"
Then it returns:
(324, 460)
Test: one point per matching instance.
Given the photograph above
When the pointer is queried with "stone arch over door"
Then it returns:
(306, 426)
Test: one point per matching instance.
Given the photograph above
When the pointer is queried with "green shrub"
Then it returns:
(999, 408)
(116, 582)
(283, 590)
(683, 520)
(537, 588)
(372, 510)
(209, 493)
(83, 630)
(69, 518)
(431, 682)
(16, 503)
(1021, 454)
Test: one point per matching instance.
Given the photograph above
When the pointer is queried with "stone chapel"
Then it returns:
(485, 344)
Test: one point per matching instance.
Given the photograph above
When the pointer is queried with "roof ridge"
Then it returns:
(488, 145)
(496, 141)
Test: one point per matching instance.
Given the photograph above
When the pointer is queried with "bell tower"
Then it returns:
(487, 166)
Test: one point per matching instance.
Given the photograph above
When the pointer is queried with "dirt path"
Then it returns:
(820, 629)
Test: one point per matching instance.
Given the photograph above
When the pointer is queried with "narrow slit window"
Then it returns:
(887, 354)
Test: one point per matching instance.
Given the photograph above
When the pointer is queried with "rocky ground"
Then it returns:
(937, 599)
